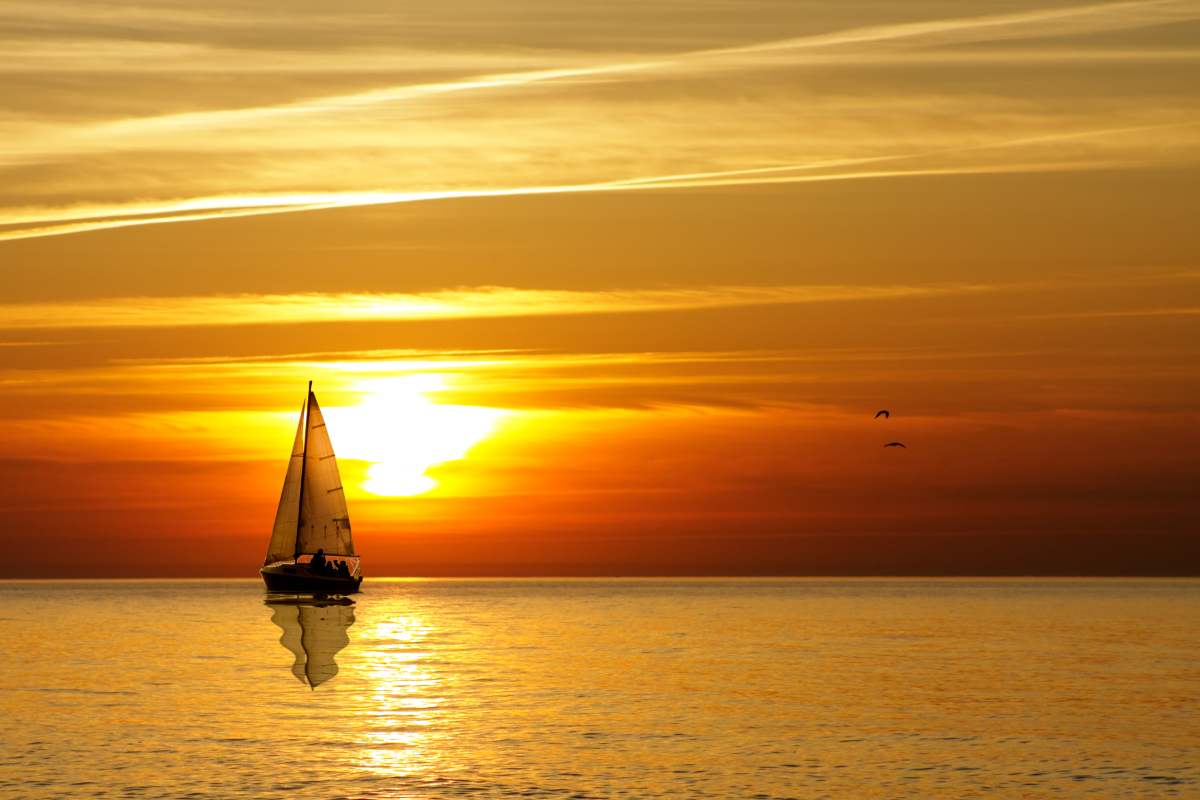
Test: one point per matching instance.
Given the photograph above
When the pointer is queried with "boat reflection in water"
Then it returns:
(314, 630)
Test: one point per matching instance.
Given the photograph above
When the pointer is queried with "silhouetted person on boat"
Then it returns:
(318, 561)
(343, 570)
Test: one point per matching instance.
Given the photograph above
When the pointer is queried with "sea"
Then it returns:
(638, 688)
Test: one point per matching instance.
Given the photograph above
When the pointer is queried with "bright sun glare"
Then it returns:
(402, 433)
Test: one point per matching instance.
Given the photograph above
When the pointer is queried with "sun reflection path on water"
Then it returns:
(405, 699)
(402, 432)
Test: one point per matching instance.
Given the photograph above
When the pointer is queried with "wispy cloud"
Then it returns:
(485, 302)
(1034, 24)
(1181, 311)
(1045, 22)
(30, 223)
(484, 121)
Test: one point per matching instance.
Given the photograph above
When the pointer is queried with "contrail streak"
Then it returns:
(37, 223)
(123, 133)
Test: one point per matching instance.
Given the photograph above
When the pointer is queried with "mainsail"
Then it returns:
(312, 511)
(324, 521)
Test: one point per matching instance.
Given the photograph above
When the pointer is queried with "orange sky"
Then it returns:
(596, 289)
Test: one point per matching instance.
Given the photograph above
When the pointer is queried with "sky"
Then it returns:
(604, 288)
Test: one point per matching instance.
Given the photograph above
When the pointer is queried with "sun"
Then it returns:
(402, 433)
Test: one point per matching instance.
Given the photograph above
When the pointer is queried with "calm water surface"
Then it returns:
(572, 689)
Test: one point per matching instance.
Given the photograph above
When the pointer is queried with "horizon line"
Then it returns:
(1195, 575)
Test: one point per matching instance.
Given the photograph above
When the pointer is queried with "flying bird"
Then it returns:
(883, 412)
(895, 444)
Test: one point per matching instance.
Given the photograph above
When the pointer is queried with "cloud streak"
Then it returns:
(246, 161)
(41, 222)
(483, 303)
(1047, 22)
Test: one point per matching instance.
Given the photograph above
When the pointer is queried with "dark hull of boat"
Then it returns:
(304, 582)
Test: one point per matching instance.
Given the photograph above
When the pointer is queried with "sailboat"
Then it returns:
(311, 538)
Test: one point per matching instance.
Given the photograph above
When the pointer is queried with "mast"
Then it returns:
(303, 465)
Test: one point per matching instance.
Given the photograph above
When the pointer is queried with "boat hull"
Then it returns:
(296, 579)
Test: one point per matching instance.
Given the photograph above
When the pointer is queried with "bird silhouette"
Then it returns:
(883, 412)
(895, 444)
